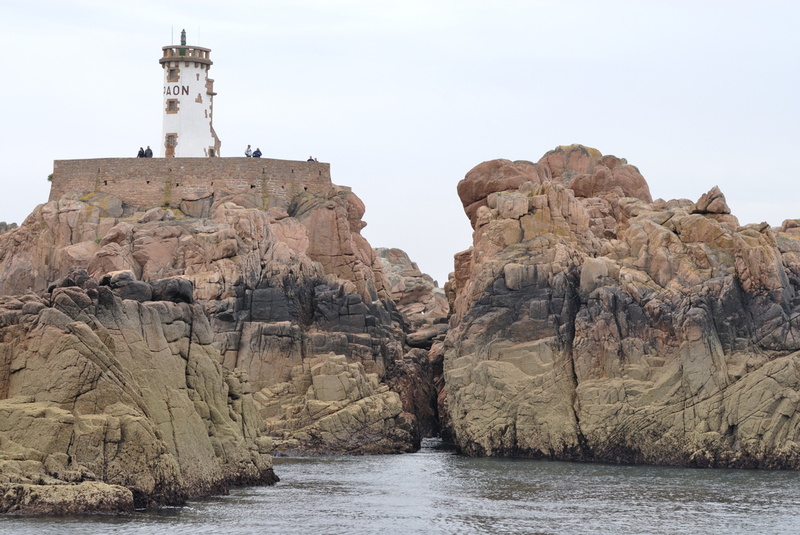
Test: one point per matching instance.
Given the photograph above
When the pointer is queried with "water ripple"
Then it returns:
(434, 491)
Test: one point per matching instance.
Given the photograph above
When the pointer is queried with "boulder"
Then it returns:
(197, 205)
(153, 214)
(125, 285)
(623, 181)
(88, 497)
(565, 162)
(712, 202)
(496, 176)
(174, 289)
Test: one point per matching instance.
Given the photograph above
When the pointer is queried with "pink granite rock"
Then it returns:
(493, 176)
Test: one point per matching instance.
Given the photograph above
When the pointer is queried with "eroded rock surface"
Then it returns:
(107, 404)
(279, 288)
(329, 404)
(591, 323)
(416, 295)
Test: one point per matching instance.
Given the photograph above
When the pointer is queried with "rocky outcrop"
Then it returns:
(279, 288)
(415, 294)
(590, 174)
(65, 499)
(333, 225)
(110, 403)
(592, 324)
(494, 176)
(332, 405)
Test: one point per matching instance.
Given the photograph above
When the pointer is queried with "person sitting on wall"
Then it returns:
(141, 153)
(310, 159)
(248, 152)
(257, 153)
(148, 153)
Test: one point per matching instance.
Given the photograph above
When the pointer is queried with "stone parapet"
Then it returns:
(144, 183)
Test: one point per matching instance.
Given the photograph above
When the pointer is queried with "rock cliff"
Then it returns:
(290, 309)
(592, 323)
(109, 404)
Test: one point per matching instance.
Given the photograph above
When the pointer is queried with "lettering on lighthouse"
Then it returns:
(176, 89)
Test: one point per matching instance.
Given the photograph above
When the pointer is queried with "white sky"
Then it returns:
(403, 98)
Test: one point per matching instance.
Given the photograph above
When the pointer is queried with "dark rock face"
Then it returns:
(593, 324)
(126, 286)
(177, 290)
(412, 378)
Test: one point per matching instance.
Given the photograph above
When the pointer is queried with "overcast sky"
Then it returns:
(403, 98)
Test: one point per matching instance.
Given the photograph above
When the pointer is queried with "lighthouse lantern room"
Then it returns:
(188, 102)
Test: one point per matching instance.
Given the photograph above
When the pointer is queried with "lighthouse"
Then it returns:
(188, 102)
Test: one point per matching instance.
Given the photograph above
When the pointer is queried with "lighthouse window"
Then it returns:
(172, 105)
(172, 75)
(170, 140)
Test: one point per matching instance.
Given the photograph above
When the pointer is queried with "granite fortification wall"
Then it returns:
(144, 183)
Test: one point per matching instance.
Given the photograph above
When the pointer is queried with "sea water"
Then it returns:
(438, 491)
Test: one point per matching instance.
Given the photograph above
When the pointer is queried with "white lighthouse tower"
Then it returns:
(188, 102)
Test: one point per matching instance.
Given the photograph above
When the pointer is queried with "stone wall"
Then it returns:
(148, 182)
